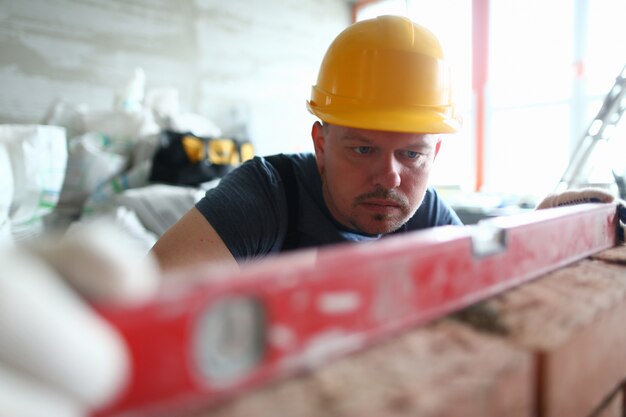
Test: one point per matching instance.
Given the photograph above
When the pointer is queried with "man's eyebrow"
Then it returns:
(351, 136)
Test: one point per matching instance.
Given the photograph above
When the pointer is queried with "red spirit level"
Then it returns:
(219, 332)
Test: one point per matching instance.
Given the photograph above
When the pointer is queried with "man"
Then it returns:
(383, 96)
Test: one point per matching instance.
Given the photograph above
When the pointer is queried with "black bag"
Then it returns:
(186, 159)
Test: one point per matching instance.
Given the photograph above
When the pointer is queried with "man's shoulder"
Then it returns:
(432, 195)
(267, 166)
(297, 159)
(302, 164)
(433, 211)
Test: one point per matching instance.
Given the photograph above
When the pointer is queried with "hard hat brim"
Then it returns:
(421, 119)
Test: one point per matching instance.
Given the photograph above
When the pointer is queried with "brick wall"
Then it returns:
(555, 347)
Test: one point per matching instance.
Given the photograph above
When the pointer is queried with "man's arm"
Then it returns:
(189, 241)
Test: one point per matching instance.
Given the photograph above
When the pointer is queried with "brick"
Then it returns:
(612, 406)
(442, 370)
(615, 255)
(572, 321)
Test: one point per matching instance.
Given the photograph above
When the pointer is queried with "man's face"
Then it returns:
(373, 181)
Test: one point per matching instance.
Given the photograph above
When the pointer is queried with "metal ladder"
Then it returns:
(600, 129)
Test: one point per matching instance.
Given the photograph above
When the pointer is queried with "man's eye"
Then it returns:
(363, 150)
(412, 154)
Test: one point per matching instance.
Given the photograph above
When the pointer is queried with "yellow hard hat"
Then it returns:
(387, 73)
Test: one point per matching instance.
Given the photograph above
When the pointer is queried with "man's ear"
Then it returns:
(317, 134)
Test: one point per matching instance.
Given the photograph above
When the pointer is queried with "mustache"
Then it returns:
(383, 193)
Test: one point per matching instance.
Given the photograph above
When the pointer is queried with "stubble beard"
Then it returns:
(382, 223)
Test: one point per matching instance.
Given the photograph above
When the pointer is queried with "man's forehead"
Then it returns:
(345, 133)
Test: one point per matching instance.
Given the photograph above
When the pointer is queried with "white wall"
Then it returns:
(233, 61)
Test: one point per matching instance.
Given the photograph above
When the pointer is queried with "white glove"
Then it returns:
(584, 195)
(587, 195)
(58, 358)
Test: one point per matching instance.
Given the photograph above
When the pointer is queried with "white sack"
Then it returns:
(6, 193)
(93, 159)
(159, 206)
(38, 158)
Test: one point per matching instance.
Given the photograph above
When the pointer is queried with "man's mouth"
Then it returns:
(383, 202)
(381, 206)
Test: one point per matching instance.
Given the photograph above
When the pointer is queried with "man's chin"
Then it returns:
(382, 226)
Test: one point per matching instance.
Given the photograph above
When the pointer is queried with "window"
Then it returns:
(529, 88)
(605, 58)
(550, 66)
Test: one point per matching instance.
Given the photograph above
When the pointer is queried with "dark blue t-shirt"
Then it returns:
(248, 209)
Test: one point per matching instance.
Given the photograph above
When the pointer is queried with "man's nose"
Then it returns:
(386, 172)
